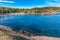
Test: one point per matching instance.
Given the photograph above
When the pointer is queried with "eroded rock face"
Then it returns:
(4, 36)
(6, 33)
(9, 36)
(4, 28)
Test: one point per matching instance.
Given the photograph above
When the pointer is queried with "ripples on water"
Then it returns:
(38, 24)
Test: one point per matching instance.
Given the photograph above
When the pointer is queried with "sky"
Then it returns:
(29, 3)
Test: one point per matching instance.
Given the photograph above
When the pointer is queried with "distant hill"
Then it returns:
(27, 11)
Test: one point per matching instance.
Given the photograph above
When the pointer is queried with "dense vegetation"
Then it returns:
(32, 10)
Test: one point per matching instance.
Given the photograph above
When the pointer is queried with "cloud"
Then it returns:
(52, 3)
(6, 1)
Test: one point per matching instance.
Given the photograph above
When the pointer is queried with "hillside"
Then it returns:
(36, 10)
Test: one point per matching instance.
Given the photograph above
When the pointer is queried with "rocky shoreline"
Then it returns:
(7, 29)
(23, 34)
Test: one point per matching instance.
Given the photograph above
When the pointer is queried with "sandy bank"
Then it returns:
(44, 38)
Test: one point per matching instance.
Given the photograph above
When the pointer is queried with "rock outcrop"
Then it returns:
(6, 33)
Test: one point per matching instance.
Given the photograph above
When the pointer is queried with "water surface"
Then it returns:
(48, 25)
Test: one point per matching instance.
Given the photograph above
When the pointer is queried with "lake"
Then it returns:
(47, 25)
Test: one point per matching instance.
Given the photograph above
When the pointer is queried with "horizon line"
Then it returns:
(29, 7)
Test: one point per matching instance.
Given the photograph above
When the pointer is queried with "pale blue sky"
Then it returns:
(29, 3)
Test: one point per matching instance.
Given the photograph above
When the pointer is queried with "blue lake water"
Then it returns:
(38, 24)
